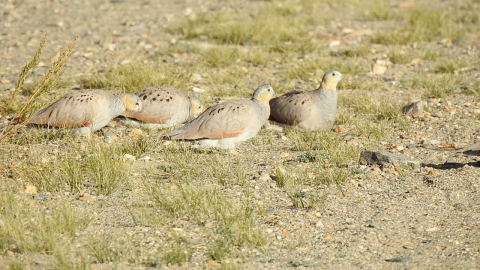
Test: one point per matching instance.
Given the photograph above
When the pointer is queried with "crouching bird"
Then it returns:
(227, 124)
(162, 107)
(312, 110)
(86, 110)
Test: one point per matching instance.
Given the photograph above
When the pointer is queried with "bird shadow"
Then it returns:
(451, 165)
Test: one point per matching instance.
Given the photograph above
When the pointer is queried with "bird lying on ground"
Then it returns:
(229, 123)
(86, 110)
(162, 107)
(313, 110)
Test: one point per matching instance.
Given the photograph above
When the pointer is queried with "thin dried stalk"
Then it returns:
(48, 82)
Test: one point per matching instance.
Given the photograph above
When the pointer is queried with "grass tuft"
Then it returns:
(100, 166)
(427, 23)
(178, 252)
(134, 76)
(26, 229)
(433, 86)
(375, 10)
(206, 203)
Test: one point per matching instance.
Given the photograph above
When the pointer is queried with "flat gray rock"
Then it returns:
(381, 158)
(414, 109)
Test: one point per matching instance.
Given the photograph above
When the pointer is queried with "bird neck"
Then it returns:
(116, 106)
(328, 85)
(264, 109)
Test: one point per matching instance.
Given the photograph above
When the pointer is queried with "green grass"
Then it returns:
(100, 165)
(206, 203)
(220, 57)
(211, 167)
(433, 86)
(375, 10)
(135, 76)
(274, 25)
(178, 252)
(113, 250)
(426, 23)
(26, 229)
(369, 115)
(379, 108)
(452, 66)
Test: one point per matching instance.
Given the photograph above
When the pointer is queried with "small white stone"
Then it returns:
(198, 90)
(128, 157)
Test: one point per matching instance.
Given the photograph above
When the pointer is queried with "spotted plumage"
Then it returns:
(313, 110)
(85, 110)
(163, 107)
(226, 124)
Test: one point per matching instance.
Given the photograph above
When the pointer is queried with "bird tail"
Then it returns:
(175, 134)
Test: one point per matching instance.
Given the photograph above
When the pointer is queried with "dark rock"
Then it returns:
(399, 260)
(460, 207)
(382, 158)
(414, 109)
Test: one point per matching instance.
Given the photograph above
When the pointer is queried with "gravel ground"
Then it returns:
(427, 219)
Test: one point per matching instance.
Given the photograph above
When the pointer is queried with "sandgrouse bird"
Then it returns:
(163, 107)
(86, 110)
(313, 110)
(227, 124)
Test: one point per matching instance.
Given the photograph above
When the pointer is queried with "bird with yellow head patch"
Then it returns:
(312, 110)
(162, 107)
(228, 123)
(86, 110)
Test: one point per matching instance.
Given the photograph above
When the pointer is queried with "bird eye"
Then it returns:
(333, 74)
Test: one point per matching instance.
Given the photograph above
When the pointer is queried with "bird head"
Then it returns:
(263, 94)
(330, 80)
(197, 105)
(131, 103)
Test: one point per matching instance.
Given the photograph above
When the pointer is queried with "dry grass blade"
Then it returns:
(48, 82)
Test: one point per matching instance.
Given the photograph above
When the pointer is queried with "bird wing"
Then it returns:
(78, 109)
(224, 120)
(160, 104)
(292, 108)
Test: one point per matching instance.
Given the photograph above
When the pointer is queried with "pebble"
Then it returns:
(42, 196)
(28, 189)
(198, 90)
(128, 157)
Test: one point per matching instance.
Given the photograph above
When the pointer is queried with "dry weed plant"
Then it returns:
(45, 85)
